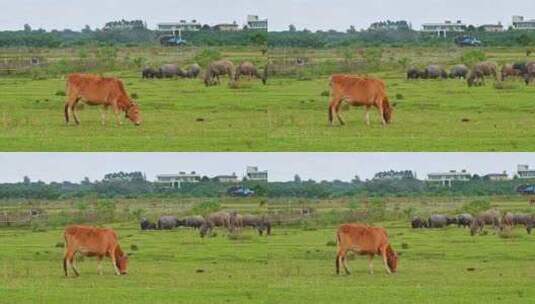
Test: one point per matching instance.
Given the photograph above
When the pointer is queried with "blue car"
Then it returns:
(463, 41)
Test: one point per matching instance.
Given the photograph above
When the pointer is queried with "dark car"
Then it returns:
(467, 41)
(240, 191)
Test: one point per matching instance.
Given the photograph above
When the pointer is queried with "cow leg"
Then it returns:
(381, 112)
(99, 265)
(370, 263)
(367, 115)
(73, 110)
(103, 115)
(117, 114)
(383, 253)
(114, 262)
(344, 262)
(73, 265)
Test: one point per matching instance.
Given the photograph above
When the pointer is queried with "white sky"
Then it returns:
(282, 166)
(311, 14)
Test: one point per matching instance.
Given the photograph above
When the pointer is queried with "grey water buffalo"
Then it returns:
(206, 228)
(488, 68)
(476, 78)
(459, 71)
(145, 224)
(220, 219)
(236, 221)
(509, 71)
(510, 220)
(260, 223)
(193, 221)
(418, 222)
(440, 221)
(193, 71)
(464, 220)
(490, 217)
(415, 73)
(167, 222)
(529, 72)
(435, 71)
(217, 69)
(150, 73)
(171, 71)
(249, 70)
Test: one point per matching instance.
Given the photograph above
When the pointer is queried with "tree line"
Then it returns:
(138, 34)
(135, 185)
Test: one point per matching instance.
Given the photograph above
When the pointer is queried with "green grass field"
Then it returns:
(286, 115)
(294, 265)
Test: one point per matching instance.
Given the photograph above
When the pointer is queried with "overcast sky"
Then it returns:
(311, 14)
(282, 166)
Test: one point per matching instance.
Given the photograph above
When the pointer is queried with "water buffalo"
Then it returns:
(529, 72)
(488, 68)
(418, 222)
(464, 220)
(193, 221)
(167, 222)
(217, 69)
(509, 70)
(236, 221)
(220, 219)
(171, 71)
(206, 228)
(510, 220)
(490, 217)
(440, 221)
(145, 224)
(151, 73)
(415, 73)
(476, 77)
(435, 71)
(260, 223)
(459, 71)
(193, 71)
(248, 69)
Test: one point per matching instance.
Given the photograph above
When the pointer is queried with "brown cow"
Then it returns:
(93, 242)
(217, 69)
(94, 90)
(220, 219)
(364, 240)
(359, 91)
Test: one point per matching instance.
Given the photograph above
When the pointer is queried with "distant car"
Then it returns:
(240, 191)
(463, 41)
(172, 41)
(526, 189)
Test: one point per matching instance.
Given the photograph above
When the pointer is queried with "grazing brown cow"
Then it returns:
(220, 219)
(93, 242)
(364, 240)
(359, 91)
(94, 90)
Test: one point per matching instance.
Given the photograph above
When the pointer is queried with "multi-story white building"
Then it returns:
(520, 23)
(182, 26)
(447, 178)
(523, 171)
(493, 28)
(227, 178)
(176, 180)
(442, 29)
(253, 174)
(227, 27)
(257, 24)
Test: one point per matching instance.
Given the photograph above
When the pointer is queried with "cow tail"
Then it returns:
(266, 73)
(330, 99)
(337, 261)
(65, 255)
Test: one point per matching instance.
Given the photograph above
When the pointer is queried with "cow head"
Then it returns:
(392, 259)
(387, 110)
(122, 264)
(133, 113)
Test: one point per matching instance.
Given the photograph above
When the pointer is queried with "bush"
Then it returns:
(207, 56)
(206, 207)
(475, 207)
(472, 57)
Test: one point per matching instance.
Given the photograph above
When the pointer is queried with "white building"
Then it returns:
(523, 171)
(227, 27)
(496, 177)
(183, 26)
(252, 174)
(227, 178)
(257, 24)
(176, 180)
(447, 178)
(442, 29)
(493, 28)
(520, 23)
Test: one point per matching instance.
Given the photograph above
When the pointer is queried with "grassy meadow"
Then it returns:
(294, 265)
(289, 114)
